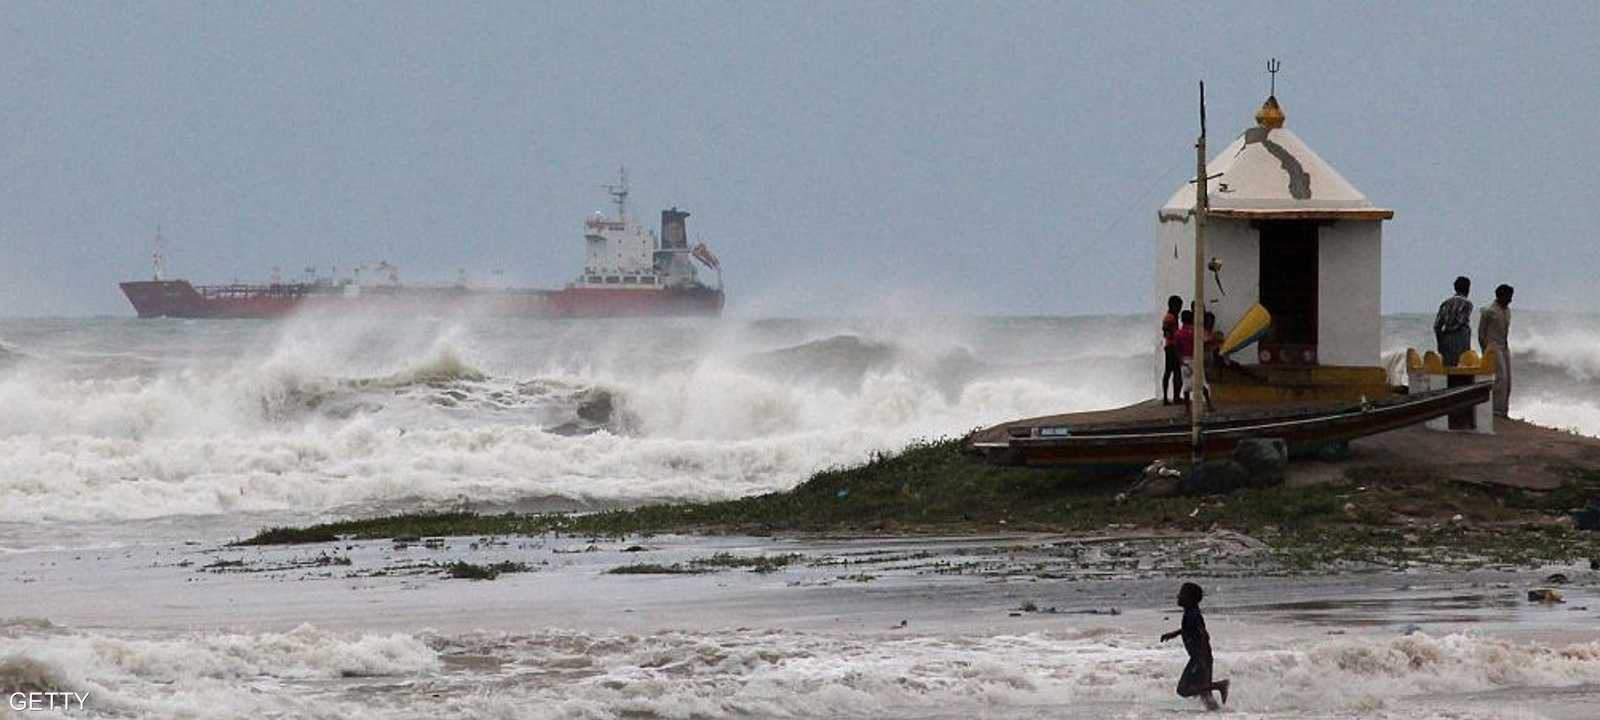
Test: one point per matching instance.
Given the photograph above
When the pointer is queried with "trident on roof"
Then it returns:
(1272, 71)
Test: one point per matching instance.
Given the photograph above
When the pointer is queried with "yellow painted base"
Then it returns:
(1280, 384)
(1469, 363)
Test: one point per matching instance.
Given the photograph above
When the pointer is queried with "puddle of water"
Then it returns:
(1460, 608)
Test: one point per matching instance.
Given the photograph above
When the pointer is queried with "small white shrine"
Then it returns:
(1291, 234)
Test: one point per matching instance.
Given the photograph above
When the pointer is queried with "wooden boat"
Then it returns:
(1138, 434)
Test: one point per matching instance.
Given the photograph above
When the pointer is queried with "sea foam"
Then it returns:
(547, 673)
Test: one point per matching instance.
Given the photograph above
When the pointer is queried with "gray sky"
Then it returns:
(841, 158)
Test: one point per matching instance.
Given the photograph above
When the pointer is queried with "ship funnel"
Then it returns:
(674, 234)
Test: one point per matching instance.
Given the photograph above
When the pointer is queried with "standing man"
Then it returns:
(1494, 326)
(1452, 327)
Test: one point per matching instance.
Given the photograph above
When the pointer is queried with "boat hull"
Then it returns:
(1054, 441)
(180, 299)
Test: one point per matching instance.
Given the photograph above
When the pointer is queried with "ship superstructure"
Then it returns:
(619, 252)
(628, 271)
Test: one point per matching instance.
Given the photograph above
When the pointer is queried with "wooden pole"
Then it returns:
(1198, 380)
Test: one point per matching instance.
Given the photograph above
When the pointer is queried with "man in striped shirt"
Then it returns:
(1452, 327)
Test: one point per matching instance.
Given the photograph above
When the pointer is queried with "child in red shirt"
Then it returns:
(1184, 340)
(1169, 338)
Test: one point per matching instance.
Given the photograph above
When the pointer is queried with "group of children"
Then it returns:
(1177, 335)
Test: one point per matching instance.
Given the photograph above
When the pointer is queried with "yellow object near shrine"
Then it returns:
(1470, 363)
(1252, 327)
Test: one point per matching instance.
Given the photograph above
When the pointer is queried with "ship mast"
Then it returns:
(1198, 381)
(157, 260)
(619, 193)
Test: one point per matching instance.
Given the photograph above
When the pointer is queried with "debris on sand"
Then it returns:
(1545, 595)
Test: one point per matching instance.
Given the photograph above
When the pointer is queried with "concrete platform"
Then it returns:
(1519, 454)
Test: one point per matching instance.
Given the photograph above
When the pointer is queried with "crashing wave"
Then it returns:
(444, 368)
(842, 358)
(844, 362)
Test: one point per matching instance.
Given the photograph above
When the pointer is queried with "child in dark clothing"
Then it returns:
(1196, 678)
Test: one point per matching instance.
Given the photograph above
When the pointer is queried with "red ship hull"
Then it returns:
(180, 299)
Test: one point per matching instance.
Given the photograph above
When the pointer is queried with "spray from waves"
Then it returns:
(242, 399)
(1570, 348)
(770, 438)
(1557, 377)
(766, 673)
(1557, 384)
(329, 418)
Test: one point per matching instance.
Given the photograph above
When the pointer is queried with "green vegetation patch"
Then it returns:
(409, 525)
(1378, 513)
(715, 563)
(756, 563)
(655, 569)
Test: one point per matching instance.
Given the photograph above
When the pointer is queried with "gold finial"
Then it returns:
(1270, 116)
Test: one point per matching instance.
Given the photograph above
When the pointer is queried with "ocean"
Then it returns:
(132, 450)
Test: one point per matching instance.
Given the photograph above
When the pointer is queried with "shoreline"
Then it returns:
(967, 583)
(1408, 497)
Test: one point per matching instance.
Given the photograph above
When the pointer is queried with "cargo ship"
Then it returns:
(629, 271)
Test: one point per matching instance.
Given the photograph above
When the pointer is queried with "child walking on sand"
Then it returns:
(1196, 678)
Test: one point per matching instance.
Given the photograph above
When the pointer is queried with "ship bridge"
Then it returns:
(622, 254)
(618, 252)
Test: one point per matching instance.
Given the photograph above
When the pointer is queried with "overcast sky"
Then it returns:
(841, 158)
